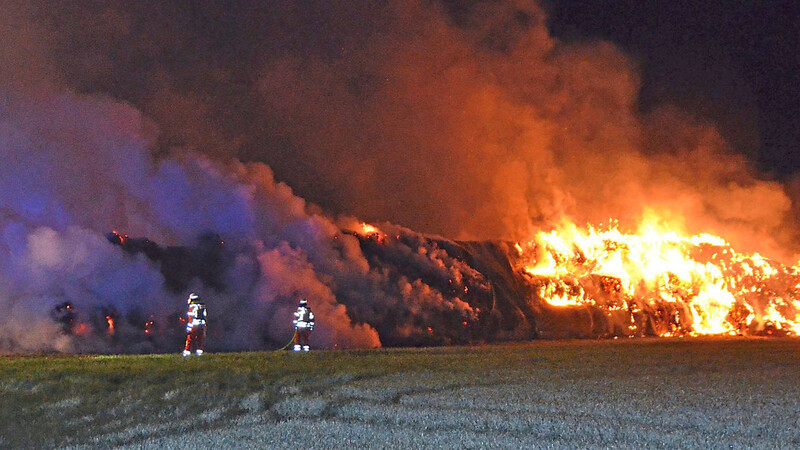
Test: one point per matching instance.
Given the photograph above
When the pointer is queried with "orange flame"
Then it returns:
(372, 232)
(369, 229)
(697, 284)
(110, 322)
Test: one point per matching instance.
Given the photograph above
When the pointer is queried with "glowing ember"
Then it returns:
(81, 329)
(117, 237)
(679, 284)
(110, 322)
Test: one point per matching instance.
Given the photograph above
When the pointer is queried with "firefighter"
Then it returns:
(195, 326)
(303, 325)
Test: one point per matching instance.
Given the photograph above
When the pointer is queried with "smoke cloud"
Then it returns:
(173, 121)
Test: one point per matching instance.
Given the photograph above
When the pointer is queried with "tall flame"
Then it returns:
(689, 284)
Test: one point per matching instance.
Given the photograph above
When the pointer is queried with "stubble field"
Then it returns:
(708, 393)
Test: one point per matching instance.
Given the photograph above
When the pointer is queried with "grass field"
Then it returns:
(709, 393)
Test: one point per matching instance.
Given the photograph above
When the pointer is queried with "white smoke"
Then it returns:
(77, 167)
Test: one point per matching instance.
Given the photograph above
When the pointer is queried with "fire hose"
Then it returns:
(294, 337)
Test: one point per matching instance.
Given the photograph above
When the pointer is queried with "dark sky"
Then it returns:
(736, 62)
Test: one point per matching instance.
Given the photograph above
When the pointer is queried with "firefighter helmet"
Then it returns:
(193, 298)
(303, 302)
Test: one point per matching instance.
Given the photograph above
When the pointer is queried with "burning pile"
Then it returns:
(658, 282)
(422, 290)
(476, 120)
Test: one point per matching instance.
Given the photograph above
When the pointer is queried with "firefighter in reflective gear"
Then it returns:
(195, 325)
(303, 324)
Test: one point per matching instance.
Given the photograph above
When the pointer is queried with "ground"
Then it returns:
(709, 393)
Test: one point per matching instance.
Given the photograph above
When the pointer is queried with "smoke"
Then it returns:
(464, 120)
(173, 121)
(83, 166)
(489, 128)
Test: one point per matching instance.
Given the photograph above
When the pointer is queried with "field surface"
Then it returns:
(685, 393)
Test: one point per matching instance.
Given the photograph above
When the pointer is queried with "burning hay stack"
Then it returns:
(657, 283)
(568, 283)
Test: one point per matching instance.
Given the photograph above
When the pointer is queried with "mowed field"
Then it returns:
(698, 392)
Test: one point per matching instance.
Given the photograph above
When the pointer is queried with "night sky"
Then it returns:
(735, 63)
